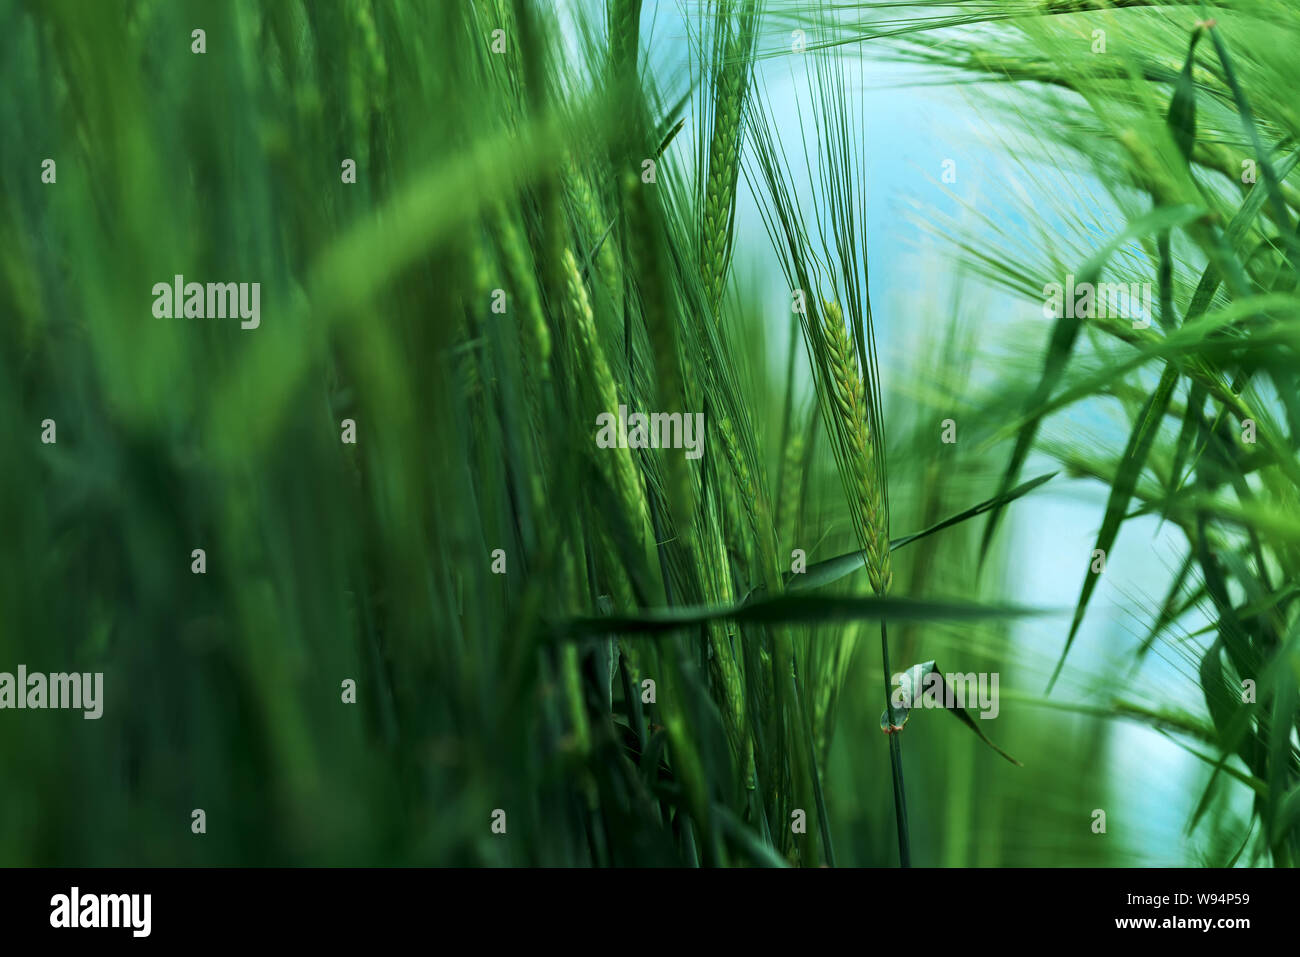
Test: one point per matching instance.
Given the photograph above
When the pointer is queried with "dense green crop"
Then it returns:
(367, 585)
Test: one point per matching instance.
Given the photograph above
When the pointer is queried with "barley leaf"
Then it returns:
(788, 609)
(833, 569)
(1121, 492)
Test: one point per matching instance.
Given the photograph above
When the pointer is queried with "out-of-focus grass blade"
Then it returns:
(1275, 197)
(1182, 106)
(1252, 782)
(1061, 344)
(789, 609)
(1288, 814)
(746, 840)
(1195, 402)
(1280, 752)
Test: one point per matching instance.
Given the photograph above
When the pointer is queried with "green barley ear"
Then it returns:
(599, 259)
(851, 409)
(731, 448)
(518, 260)
(732, 59)
(619, 468)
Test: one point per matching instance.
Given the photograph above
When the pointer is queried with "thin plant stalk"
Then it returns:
(896, 765)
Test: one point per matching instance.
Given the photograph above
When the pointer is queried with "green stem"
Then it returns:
(896, 765)
(823, 819)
